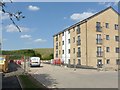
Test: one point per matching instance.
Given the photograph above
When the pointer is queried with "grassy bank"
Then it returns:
(29, 83)
(45, 52)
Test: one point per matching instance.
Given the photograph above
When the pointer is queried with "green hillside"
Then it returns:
(45, 52)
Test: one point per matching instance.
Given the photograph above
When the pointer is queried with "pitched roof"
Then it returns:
(85, 20)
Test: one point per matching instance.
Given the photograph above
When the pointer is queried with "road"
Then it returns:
(61, 77)
(10, 79)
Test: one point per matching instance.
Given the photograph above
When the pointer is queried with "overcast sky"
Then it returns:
(43, 20)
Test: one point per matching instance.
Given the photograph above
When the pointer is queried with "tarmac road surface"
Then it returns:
(9, 80)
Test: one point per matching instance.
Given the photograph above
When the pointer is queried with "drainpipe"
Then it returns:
(86, 46)
(103, 44)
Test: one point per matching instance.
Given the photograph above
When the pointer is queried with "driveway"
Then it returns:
(61, 77)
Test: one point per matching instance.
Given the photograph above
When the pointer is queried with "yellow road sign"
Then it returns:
(2, 59)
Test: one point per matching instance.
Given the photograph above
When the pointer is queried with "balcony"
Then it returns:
(99, 53)
(99, 41)
(98, 28)
(78, 42)
(79, 54)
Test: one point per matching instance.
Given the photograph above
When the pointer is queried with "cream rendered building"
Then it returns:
(91, 41)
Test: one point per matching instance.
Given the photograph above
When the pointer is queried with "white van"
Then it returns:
(34, 61)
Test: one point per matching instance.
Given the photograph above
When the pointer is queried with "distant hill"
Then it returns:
(45, 52)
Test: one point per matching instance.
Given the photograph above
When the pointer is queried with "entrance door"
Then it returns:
(99, 62)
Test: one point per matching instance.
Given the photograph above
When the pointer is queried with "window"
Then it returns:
(73, 39)
(99, 39)
(107, 37)
(98, 27)
(62, 51)
(79, 52)
(108, 61)
(117, 50)
(56, 45)
(62, 42)
(68, 31)
(78, 41)
(98, 24)
(116, 26)
(99, 61)
(118, 62)
(78, 29)
(107, 25)
(56, 38)
(79, 62)
(99, 51)
(56, 54)
(63, 34)
(78, 49)
(107, 49)
(68, 51)
(68, 40)
(73, 50)
(117, 38)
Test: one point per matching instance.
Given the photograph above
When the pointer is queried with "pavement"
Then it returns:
(62, 77)
(10, 80)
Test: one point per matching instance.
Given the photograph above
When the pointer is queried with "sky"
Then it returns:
(43, 20)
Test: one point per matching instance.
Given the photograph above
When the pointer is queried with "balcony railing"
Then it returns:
(98, 28)
(78, 42)
(99, 41)
(79, 54)
(99, 53)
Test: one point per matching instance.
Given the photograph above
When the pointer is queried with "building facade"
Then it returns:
(91, 41)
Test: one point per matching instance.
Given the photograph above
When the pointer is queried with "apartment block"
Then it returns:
(91, 41)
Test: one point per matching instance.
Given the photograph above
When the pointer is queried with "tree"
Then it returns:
(51, 56)
(17, 15)
(39, 55)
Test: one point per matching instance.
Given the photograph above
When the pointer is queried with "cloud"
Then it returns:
(115, 3)
(108, 4)
(4, 39)
(81, 16)
(25, 36)
(33, 8)
(13, 28)
(3, 16)
(40, 40)
(65, 18)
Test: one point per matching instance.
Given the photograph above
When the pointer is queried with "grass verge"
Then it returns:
(29, 83)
